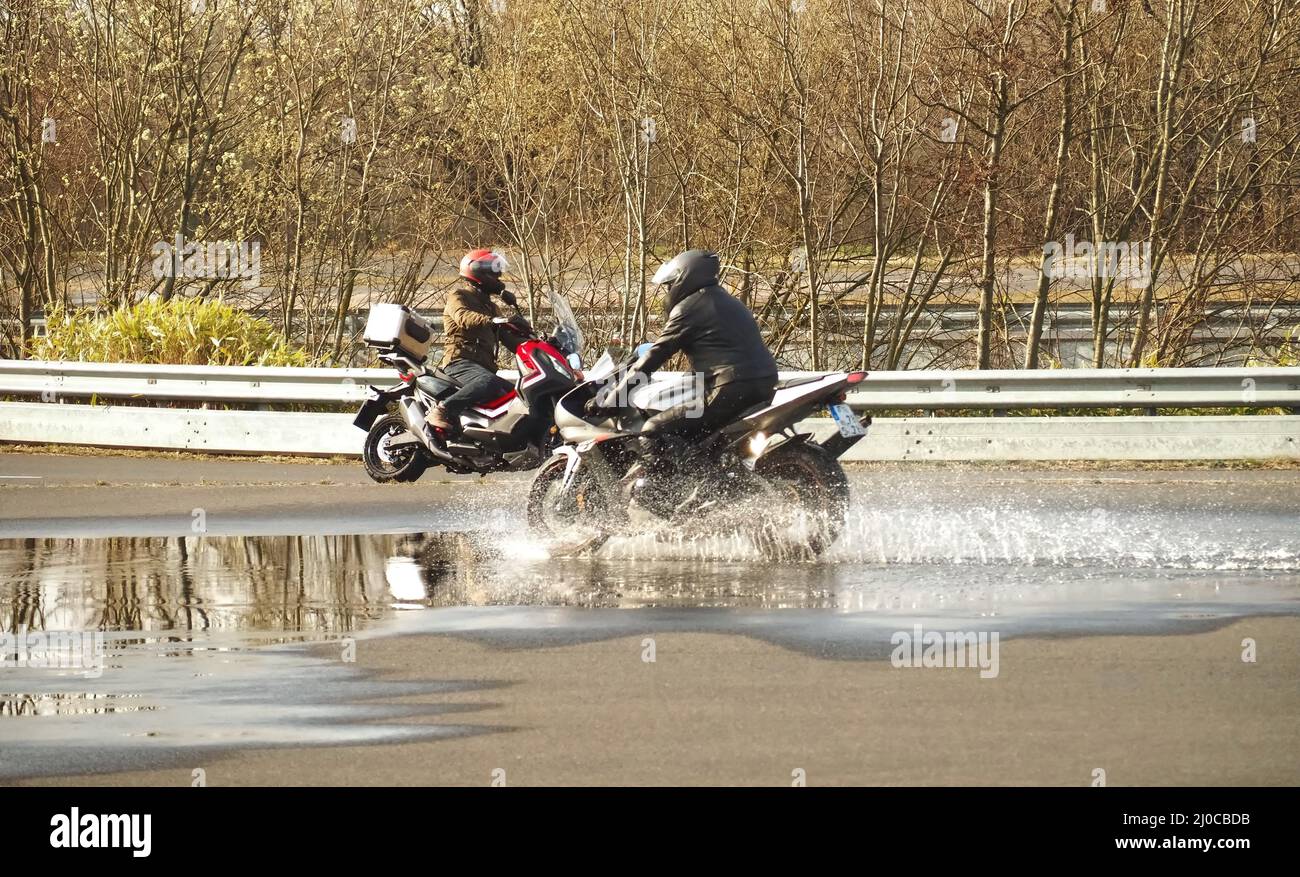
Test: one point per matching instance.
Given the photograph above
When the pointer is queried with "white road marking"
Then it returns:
(24, 477)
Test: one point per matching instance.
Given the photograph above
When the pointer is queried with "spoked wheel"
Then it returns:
(384, 463)
(808, 497)
(574, 520)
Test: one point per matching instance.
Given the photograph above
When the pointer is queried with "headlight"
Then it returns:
(563, 367)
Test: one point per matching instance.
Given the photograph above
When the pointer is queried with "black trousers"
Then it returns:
(477, 385)
(721, 405)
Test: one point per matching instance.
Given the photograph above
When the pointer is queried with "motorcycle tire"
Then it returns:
(579, 522)
(809, 483)
(383, 465)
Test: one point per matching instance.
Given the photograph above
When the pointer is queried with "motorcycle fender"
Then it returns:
(376, 406)
(775, 445)
(837, 444)
(371, 410)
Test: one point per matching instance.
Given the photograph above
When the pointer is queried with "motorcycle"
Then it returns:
(758, 475)
(513, 432)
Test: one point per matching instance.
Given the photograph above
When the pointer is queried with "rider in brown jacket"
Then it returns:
(471, 335)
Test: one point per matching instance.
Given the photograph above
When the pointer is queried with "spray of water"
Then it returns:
(988, 535)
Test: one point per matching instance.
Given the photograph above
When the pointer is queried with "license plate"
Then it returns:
(846, 420)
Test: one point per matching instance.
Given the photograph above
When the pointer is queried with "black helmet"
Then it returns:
(685, 273)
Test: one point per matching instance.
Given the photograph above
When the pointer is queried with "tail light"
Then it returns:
(854, 377)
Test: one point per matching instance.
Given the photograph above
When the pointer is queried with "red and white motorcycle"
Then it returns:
(512, 432)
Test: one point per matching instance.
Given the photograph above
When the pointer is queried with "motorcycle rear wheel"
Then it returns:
(810, 495)
(384, 464)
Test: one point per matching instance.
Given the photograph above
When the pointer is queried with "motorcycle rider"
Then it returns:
(721, 341)
(472, 330)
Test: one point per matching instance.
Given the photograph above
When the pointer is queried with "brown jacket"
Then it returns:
(467, 328)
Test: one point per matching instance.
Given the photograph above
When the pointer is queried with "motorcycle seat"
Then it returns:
(436, 382)
(794, 382)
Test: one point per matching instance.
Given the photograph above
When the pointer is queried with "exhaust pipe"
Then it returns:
(413, 416)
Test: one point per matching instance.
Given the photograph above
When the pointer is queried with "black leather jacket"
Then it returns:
(719, 336)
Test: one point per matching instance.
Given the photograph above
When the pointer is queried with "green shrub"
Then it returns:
(181, 331)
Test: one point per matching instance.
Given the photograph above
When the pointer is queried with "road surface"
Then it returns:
(291, 623)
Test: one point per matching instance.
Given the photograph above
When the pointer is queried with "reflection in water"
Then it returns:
(326, 584)
(335, 585)
(285, 588)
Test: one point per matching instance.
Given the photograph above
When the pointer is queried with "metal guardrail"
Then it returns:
(1177, 437)
(198, 383)
(1081, 388)
(906, 438)
(884, 390)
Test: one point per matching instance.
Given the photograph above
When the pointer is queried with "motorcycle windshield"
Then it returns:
(567, 332)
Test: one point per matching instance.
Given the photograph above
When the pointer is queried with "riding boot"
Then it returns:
(439, 418)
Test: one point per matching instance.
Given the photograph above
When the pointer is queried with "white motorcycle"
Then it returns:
(758, 475)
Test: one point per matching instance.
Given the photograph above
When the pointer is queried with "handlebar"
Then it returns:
(530, 332)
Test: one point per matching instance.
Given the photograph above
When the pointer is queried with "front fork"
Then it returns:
(588, 458)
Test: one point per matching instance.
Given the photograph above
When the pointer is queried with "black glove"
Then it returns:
(509, 298)
(520, 322)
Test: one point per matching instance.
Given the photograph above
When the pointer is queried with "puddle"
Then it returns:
(209, 642)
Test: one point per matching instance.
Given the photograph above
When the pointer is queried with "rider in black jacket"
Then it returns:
(722, 342)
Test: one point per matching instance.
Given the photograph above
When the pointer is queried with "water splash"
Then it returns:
(1141, 538)
(985, 535)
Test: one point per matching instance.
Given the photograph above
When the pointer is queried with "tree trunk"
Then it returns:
(1054, 197)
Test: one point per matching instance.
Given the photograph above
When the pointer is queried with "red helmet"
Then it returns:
(483, 267)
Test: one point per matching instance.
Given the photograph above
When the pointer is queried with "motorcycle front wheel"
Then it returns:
(385, 464)
(576, 516)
